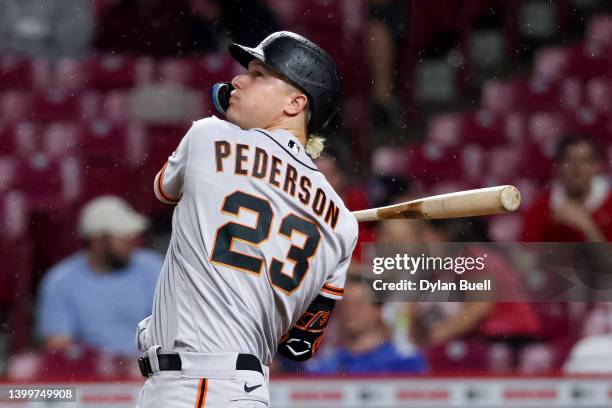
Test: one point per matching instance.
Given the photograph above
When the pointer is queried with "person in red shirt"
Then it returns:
(577, 207)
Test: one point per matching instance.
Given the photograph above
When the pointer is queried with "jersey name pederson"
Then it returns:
(261, 166)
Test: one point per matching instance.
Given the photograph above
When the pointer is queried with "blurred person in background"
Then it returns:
(364, 340)
(383, 29)
(578, 205)
(96, 296)
(46, 29)
(459, 334)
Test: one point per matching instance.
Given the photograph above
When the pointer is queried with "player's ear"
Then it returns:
(297, 103)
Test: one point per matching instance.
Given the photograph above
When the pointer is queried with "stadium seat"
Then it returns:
(599, 95)
(206, 70)
(48, 182)
(14, 106)
(69, 74)
(18, 138)
(429, 164)
(59, 139)
(458, 356)
(107, 72)
(597, 125)
(161, 141)
(175, 71)
(111, 155)
(16, 268)
(599, 31)
(484, 128)
(445, 130)
(54, 105)
(15, 72)
(545, 130)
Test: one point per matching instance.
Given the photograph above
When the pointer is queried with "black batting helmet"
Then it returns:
(305, 65)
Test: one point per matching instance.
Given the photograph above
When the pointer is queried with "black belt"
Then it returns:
(172, 362)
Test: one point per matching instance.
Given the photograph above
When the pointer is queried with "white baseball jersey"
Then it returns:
(257, 234)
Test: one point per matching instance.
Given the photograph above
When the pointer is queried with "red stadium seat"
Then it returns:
(458, 356)
(175, 71)
(206, 70)
(545, 130)
(599, 31)
(69, 74)
(48, 182)
(54, 105)
(587, 62)
(483, 128)
(59, 139)
(599, 95)
(597, 125)
(550, 63)
(161, 141)
(429, 164)
(112, 105)
(108, 72)
(14, 106)
(445, 130)
(18, 138)
(111, 155)
(16, 268)
(15, 72)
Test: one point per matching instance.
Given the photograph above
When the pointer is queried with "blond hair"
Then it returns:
(315, 145)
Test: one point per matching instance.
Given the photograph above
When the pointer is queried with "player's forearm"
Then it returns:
(304, 339)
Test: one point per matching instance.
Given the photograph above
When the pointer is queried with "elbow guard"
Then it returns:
(303, 340)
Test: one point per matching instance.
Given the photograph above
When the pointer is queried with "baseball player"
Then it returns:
(260, 241)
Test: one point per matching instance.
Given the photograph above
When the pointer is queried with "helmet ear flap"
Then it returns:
(221, 93)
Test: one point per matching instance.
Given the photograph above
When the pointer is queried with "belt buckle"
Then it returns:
(145, 367)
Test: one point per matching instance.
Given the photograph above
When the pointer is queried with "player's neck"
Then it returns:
(296, 129)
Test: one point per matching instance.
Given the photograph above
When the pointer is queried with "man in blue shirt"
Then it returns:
(97, 296)
(364, 344)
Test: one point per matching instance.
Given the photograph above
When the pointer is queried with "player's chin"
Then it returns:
(232, 117)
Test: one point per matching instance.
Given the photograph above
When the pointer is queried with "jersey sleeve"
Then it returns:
(168, 185)
(333, 287)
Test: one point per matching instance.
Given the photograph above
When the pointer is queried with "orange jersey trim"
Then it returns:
(160, 188)
(332, 290)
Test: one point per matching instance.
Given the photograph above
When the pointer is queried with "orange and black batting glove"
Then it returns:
(304, 339)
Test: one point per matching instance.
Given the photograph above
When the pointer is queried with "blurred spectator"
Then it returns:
(384, 26)
(578, 205)
(436, 324)
(97, 296)
(364, 339)
(49, 29)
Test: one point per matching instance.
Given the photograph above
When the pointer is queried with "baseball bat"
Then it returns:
(468, 203)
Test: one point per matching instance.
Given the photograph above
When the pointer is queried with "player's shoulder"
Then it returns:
(212, 123)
